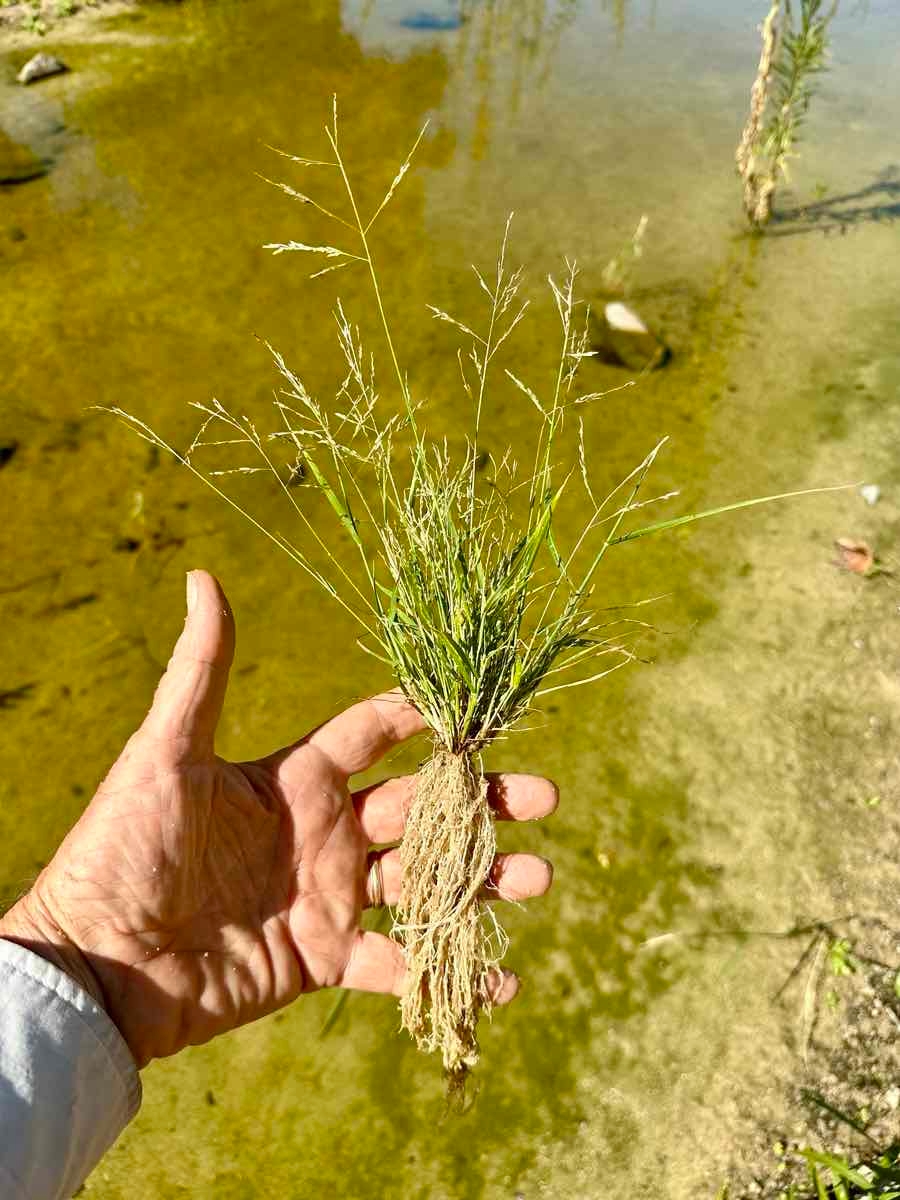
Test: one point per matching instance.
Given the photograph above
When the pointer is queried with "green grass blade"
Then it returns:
(539, 534)
(814, 1098)
(839, 1167)
(821, 1193)
(661, 526)
(343, 513)
(333, 1013)
(554, 551)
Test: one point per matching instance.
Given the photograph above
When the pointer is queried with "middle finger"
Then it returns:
(382, 808)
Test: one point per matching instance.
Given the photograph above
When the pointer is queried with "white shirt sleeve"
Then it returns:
(68, 1083)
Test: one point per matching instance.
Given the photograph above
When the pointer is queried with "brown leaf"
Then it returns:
(854, 556)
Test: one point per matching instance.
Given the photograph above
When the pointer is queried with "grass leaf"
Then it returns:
(660, 526)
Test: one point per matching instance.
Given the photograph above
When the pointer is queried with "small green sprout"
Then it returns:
(840, 958)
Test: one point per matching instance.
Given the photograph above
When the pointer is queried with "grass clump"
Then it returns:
(460, 584)
(832, 1176)
(794, 52)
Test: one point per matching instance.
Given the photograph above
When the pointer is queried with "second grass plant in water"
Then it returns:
(461, 587)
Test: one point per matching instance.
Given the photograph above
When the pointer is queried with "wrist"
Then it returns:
(29, 925)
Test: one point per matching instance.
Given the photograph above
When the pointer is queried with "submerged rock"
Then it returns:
(622, 319)
(621, 338)
(17, 163)
(41, 66)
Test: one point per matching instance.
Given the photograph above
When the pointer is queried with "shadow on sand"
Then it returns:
(878, 201)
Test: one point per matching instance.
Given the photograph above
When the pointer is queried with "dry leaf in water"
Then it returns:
(857, 557)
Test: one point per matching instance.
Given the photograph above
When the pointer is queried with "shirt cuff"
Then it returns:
(68, 1082)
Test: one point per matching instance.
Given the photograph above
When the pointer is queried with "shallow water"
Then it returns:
(688, 785)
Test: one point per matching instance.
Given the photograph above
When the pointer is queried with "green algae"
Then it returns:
(686, 795)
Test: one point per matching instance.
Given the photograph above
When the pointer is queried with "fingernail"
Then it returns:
(191, 591)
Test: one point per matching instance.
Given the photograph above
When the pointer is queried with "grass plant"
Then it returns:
(794, 52)
(32, 20)
(618, 272)
(461, 586)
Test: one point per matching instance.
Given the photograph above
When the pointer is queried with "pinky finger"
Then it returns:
(376, 964)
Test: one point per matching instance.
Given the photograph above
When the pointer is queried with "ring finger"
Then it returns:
(512, 877)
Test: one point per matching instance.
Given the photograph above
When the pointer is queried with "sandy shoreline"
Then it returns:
(28, 26)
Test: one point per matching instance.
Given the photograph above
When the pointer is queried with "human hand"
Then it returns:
(195, 895)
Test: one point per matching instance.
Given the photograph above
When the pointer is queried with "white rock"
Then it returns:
(619, 337)
(39, 67)
(892, 1098)
(870, 492)
(623, 319)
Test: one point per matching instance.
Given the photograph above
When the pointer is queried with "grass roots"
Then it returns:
(451, 941)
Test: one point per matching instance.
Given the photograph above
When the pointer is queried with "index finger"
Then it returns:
(357, 738)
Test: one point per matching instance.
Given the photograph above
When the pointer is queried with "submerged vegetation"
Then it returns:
(461, 586)
(794, 53)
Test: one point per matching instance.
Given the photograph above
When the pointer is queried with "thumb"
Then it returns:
(189, 698)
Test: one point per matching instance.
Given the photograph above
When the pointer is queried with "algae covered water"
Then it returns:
(723, 790)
